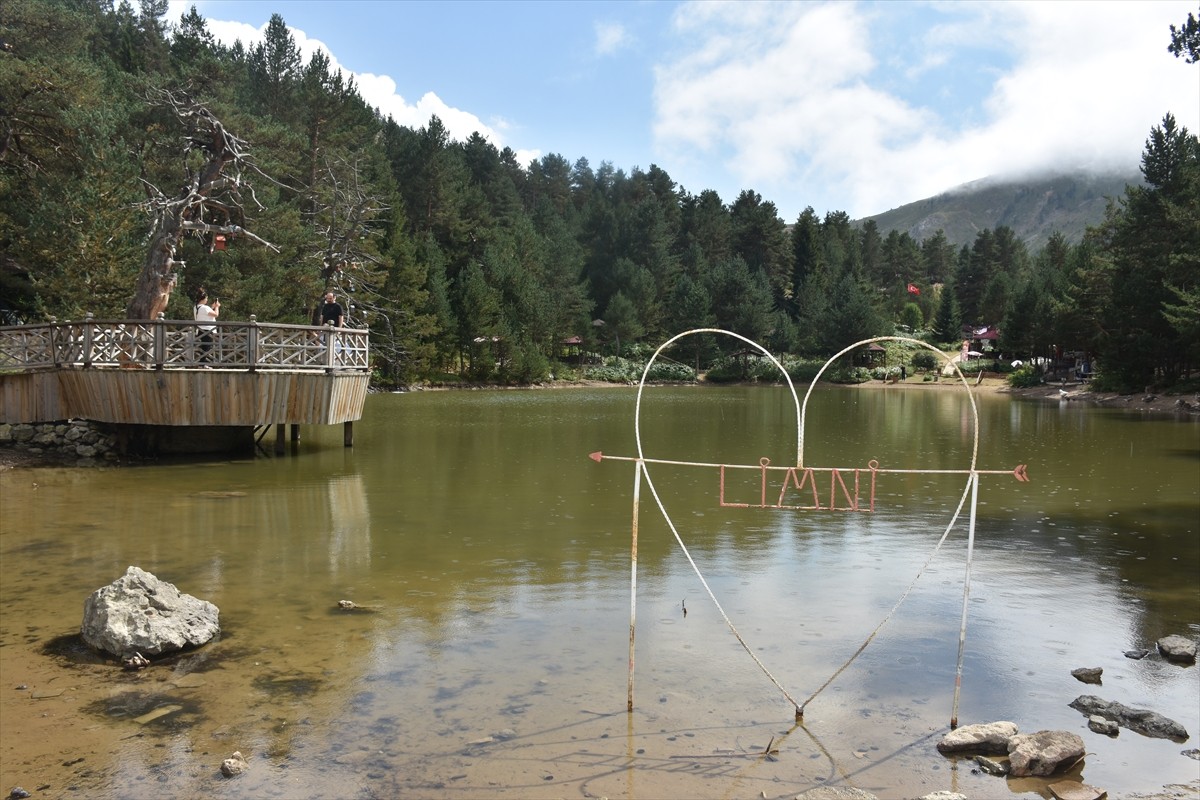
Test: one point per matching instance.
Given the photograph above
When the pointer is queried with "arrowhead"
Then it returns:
(596, 456)
(1020, 474)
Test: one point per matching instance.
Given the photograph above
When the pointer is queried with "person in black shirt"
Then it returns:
(331, 311)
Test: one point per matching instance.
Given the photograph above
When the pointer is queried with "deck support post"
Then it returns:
(348, 433)
(295, 433)
(279, 436)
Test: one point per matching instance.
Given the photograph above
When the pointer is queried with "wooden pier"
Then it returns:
(174, 374)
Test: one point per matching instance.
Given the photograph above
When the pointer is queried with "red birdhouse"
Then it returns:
(219, 242)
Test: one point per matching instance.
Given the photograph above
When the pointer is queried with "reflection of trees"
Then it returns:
(1147, 556)
(349, 526)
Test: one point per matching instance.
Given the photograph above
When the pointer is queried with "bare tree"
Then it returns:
(210, 203)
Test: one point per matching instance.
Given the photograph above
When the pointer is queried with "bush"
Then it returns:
(609, 373)
(924, 360)
(622, 370)
(670, 371)
(1024, 377)
(848, 375)
(526, 365)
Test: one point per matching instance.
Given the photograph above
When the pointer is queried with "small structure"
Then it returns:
(872, 355)
(153, 378)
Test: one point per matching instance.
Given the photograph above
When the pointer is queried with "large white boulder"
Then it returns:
(139, 613)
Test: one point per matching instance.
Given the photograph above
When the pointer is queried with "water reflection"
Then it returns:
(492, 557)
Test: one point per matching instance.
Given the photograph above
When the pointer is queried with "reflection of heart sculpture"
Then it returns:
(845, 493)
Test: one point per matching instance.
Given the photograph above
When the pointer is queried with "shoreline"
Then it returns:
(1178, 406)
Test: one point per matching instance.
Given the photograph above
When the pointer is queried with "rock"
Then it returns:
(135, 661)
(1074, 790)
(1088, 674)
(347, 604)
(835, 793)
(1136, 654)
(1139, 720)
(234, 765)
(943, 795)
(17, 793)
(1043, 753)
(1194, 753)
(138, 612)
(1179, 649)
(990, 766)
(989, 737)
(1099, 724)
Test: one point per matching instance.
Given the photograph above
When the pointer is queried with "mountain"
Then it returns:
(1034, 208)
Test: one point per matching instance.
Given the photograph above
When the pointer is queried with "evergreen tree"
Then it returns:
(947, 325)
(1154, 239)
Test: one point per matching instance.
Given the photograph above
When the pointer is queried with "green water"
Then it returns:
(492, 559)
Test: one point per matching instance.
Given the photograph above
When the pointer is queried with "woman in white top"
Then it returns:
(206, 313)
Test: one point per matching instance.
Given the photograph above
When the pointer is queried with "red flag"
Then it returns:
(912, 289)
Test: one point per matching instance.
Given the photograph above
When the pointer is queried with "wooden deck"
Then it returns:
(163, 372)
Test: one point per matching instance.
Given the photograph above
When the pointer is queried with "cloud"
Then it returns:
(379, 91)
(610, 38)
(792, 100)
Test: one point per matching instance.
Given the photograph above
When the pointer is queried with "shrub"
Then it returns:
(670, 371)
(924, 360)
(1024, 377)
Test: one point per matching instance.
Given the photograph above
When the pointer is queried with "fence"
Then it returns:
(181, 344)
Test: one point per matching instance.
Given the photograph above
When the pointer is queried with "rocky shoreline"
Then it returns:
(75, 443)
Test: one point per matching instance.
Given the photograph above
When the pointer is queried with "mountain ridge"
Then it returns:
(1033, 207)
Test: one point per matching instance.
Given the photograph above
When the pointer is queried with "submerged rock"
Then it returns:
(140, 613)
(991, 766)
(835, 793)
(1140, 720)
(1088, 674)
(987, 737)
(234, 765)
(1043, 753)
(1179, 649)
(1136, 655)
(1100, 724)
(1074, 790)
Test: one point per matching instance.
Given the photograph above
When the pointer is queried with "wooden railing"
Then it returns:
(182, 344)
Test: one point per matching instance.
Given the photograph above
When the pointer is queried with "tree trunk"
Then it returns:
(158, 278)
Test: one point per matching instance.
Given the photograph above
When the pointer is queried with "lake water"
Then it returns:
(491, 559)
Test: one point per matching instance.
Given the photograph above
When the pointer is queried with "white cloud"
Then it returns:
(610, 38)
(379, 91)
(784, 97)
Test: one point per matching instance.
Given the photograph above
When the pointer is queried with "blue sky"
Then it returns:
(851, 106)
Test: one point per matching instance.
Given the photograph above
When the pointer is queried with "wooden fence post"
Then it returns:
(252, 343)
(160, 341)
(87, 340)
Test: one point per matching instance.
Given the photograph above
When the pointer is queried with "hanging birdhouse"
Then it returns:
(219, 242)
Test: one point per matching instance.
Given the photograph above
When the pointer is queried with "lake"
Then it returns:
(489, 558)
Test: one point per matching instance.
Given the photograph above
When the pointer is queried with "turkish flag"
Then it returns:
(912, 289)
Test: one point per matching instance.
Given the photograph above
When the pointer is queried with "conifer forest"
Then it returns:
(140, 160)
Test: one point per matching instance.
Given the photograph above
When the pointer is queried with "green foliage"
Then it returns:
(759, 369)
(923, 359)
(1024, 377)
(464, 262)
(1185, 42)
(911, 317)
(947, 326)
(626, 371)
